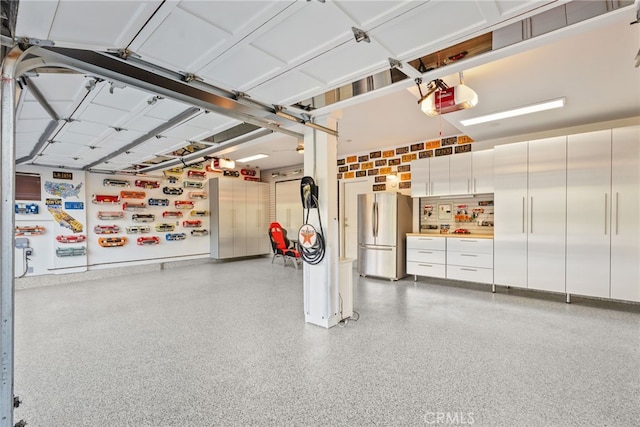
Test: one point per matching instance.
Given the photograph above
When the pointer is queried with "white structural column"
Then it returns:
(321, 298)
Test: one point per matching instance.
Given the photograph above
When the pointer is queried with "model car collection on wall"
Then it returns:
(83, 220)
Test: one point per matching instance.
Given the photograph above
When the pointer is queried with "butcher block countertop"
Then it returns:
(461, 236)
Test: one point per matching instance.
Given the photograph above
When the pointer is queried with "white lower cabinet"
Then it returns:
(426, 256)
(451, 258)
(470, 259)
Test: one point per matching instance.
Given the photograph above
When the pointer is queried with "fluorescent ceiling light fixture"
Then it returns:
(542, 106)
(252, 158)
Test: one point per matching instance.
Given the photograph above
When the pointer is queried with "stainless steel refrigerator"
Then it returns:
(384, 219)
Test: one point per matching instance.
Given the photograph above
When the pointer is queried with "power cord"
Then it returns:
(26, 260)
(313, 254)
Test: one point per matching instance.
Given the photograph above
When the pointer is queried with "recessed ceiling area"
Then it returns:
(256, 57)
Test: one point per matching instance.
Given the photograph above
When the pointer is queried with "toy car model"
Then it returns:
(29, 230)
(71, 238)
(146, 184)
(196, 166)
(133, 194)
(165, 227)
(171, 214)
(173, 179)
(175, 236)
(143, 217)
(106, 229)
(192, 184)
(199, 213)
(173, 171)
(158, 202)
(138, 229)
(192, 223)
(76, 251)
(200, 232)
(108, 242)
(110, 215)
(208, 168)
(26, 208)
(176, 191)
(105, 198)
(109, 182)
(196, 174)
(148, 240)
(199, 195)
(66, 220)
(133, 206)
(461, 231)
(183, 204)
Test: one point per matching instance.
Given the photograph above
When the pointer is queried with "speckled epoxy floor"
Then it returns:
(226, 344)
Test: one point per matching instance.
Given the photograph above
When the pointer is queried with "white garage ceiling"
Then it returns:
(239, 61)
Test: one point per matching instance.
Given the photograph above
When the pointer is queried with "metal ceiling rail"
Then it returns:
(111, 68)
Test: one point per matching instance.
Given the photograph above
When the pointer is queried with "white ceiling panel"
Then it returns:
(347, 63)
(35, 18)
(125, 136)
(166, 109)
(31, 127)
(160, 145)
(99, 24)
(213, 122)
(429, 28)
(67, 135)
(88, 128)
(311, 30)
(105, 115)
(182, 42)
(64, 149)
(517, 6)
(287, 88)
(366, 14)
(125, 99)
(241, 68)
(234, 16)
(29, 110)
(142, 123)
(60, 86)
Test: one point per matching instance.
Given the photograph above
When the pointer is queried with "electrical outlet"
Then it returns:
(28, 251)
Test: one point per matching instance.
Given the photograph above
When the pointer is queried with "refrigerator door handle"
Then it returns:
(377, 248)
(375, 219)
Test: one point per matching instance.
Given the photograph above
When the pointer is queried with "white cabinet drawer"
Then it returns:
(470, 274)
(461, 244)
(420, 242)
(426, 269)
(426, 255)
(470, 259)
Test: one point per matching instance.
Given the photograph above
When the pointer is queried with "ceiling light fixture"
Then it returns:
(534, 108)
(300, 148)
(251, 158)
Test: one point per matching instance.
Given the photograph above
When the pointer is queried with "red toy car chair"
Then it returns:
(282, 246)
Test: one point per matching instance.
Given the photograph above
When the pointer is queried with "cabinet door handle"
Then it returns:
(468, 269)
(475, 186)
(531, 216)
(424, 238)
(468, 185)
(617, 197)
(471, 255)
(523, 215)
(605, 213)
(425, 265)
(425, 252)
(467, 240)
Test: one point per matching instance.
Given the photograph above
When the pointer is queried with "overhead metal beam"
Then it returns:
(112, 68)
(259, 133)
(147, 136)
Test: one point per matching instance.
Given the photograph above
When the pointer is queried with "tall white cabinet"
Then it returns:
(239, 218)
(603, 202)
(530, 214)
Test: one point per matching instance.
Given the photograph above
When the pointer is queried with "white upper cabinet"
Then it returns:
(420, 178)
(460, 173)
(482, 171)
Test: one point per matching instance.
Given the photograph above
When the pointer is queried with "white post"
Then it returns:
(321, 299)
(7, 191)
